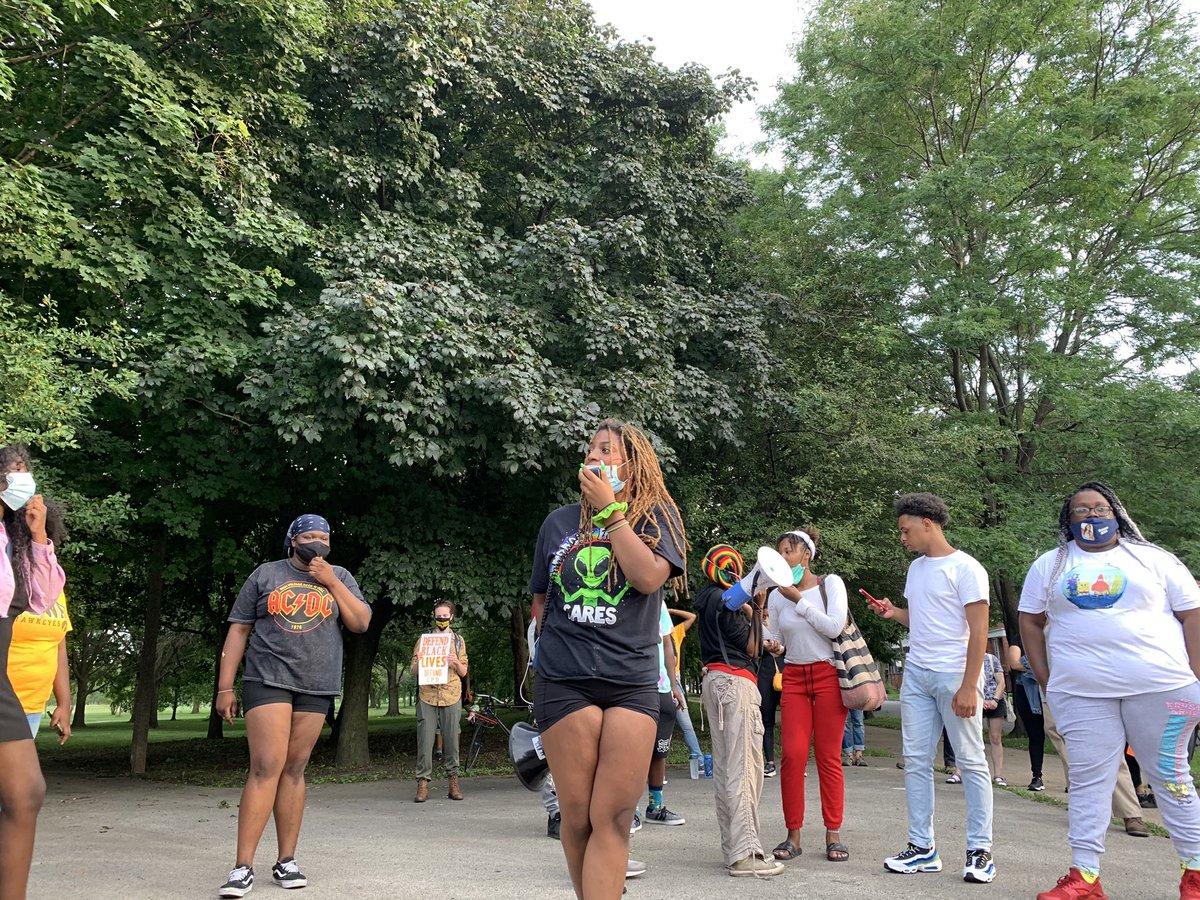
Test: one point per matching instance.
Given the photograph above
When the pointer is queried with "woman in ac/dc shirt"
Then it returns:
(1111, 625)
(289, 611)
(598, 574)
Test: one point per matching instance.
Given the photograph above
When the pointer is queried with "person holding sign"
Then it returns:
(439, 662)
(289, 611)
(598, 573)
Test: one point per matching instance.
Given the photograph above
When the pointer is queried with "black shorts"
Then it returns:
(255, 693)
(1000, 712)
(666, 725)
(555, 700)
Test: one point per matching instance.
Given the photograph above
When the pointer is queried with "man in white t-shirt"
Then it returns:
(947, 619)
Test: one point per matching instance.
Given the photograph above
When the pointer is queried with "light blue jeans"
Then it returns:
(35, 722)
(683, 719)
(925, 707)
(855, 736)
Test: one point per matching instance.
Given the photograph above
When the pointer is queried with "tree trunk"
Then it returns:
(145, 698)
(82, 689)
(520, 650)
(196, 707)
(393, 688)
(351, 727)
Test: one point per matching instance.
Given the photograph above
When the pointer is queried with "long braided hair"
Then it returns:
(1126, 528)
(646, 490)
(15, 526)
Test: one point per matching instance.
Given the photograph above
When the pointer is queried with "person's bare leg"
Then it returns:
(996, 737)
(22, 792)
(572, 746)
(289, 797)
(626, 743)
(268, 728)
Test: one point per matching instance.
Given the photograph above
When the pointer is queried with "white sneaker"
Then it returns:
(914, 859)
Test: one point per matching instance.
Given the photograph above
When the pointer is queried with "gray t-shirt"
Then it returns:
(296, 643)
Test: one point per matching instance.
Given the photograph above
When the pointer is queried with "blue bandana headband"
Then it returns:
(306, 522)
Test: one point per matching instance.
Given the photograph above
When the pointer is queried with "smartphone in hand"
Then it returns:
(875, 603)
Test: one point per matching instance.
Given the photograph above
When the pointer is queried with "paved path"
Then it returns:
(116, 838)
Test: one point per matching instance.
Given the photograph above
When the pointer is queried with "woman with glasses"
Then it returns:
(1111, 626)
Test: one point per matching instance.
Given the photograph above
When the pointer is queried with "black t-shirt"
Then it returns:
(596, 627)
(296, 643)
(734, 627)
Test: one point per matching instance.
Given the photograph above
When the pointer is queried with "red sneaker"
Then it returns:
(1072, 887)
(1189, 885)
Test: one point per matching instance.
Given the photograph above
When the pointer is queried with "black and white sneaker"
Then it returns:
(287, 874)
(241, 880)
(979, 868)
(1036, 784)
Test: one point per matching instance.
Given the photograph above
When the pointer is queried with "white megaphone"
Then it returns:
(771, 571)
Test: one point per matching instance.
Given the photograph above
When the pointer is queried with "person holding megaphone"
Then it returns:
(598, 573)
(731, 641)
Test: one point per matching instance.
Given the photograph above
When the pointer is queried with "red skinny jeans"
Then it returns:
(813, 716)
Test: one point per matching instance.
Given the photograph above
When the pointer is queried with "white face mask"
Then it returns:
(21, 487)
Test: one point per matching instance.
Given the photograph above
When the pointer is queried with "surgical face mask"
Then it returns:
(442, 623)
(310, 549)
(610, 472)
(21, 487)
(1093, 531)
(797, 573)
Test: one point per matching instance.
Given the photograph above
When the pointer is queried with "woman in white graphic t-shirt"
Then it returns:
(1111, 625)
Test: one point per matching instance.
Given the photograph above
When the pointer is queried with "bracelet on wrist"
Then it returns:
(601, 517)
(226, 691)
(622, 523)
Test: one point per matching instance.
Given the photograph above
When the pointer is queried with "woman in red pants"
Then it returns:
(806, 617)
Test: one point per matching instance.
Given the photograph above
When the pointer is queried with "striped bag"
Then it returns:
(858, 675)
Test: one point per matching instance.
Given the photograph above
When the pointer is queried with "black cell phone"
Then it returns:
(598, 471)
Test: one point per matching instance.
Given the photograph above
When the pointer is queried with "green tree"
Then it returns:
(1008, 193)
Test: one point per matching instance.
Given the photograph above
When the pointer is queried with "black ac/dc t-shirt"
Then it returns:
(597, 627)
(734, 628)
(296, 643)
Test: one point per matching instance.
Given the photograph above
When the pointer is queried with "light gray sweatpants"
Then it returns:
(736, 729)
(1157, 727)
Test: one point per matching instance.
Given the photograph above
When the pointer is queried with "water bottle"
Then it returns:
(708, 765)
(694, 764)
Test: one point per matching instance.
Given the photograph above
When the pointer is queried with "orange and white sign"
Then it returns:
(432, 664)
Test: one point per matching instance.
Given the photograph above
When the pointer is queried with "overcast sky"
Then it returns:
(751, 35)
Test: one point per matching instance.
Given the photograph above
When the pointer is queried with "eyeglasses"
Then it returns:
(1102, 510)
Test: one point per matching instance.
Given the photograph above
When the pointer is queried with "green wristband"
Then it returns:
(601, 517)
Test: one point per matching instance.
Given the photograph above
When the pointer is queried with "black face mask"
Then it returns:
(306, 551)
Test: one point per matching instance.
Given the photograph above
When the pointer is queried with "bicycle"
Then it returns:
(485, 719)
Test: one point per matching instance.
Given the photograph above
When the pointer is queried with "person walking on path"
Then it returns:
(806, 616)
(1111, 624)
(1028, 704)
(683, 718)
(439, 708)
(285, 623)
(729, 647)
(30, 579)
(947, 617)
(995, 713)
(854, 739)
